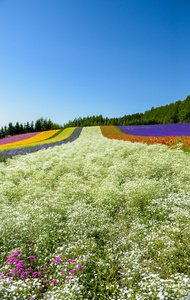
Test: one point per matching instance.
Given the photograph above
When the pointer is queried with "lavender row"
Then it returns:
(22, 151)
(18, 137)
(178, 129)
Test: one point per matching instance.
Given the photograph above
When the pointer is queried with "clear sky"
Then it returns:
(66, 59)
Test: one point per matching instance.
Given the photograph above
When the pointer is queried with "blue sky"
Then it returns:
(62, 60)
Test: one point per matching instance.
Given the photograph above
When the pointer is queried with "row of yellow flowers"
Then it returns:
(37, 138)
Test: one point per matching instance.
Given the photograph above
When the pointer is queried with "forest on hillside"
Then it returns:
(178, 112)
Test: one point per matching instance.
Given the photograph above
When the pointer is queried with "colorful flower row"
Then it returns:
(8, 153)
(113, 132)
(177, 129)
(36, 138)
(18, 137)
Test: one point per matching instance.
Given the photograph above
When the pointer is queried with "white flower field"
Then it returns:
(119, 210)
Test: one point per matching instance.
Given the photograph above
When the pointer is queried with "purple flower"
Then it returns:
(12, 272)
(66, 279)
(32, 256)
(53, 262)
(45, 281)
(29, 269)
(63, 272)
(79, 267)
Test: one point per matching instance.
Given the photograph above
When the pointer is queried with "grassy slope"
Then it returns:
(120, 209)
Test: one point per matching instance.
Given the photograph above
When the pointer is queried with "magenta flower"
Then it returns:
(16, 253)
(35, 274)
(12, 272)
(71, 272)
(11, 260)
(54, 281)
(63, 272)
(58, 258)
(29, 269)
(19, 271)
(45, 267)
(67, 279)
(20, 263)
(24, 274)
(45, 281)
(53, 262)
(71, 260)
(79, 267)
(33, 256)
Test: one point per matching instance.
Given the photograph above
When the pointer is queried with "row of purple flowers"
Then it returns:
(177, 129)
(22, 151)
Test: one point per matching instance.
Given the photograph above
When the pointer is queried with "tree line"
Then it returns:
(40, 125)
(178, 112)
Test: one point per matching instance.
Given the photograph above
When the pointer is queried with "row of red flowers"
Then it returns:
(112, 132)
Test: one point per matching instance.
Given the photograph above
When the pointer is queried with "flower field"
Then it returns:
(16, 138)
(95, 218)
(122, 133)
(34, 139)
(175, 129)
(61, 137)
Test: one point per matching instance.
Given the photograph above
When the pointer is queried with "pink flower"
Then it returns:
(45, 281)
(39, 273)
(12, 272)
(63, 272)
(53, 262)
(54, 281)
(67, 279)
(45, 267)
(33, 256)
(79, 267)
(58, 258)
(29, 269)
